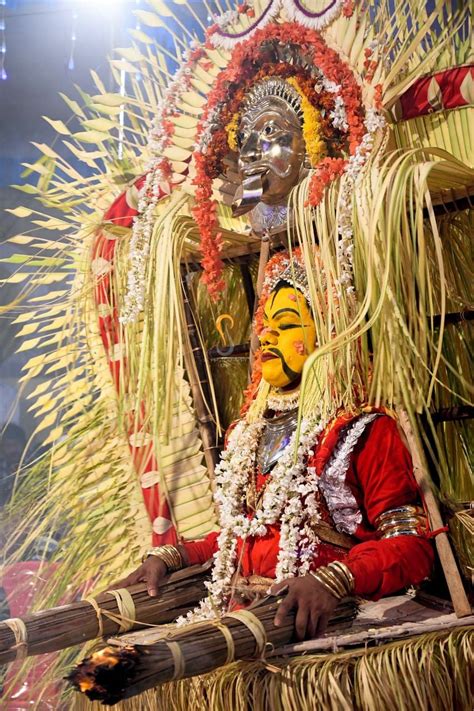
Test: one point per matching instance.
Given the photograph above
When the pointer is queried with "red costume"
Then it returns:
(379, 477)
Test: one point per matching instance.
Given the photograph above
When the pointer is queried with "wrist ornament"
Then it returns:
(337, 578)
(406, 520)
(170, 556)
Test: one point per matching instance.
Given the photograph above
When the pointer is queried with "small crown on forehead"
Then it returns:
(270, 88)
(294, 274)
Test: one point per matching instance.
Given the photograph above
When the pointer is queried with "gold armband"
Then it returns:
(402, 521)
(337, 578)
(170, 556)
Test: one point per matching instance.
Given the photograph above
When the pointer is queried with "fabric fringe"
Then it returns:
(431, 672)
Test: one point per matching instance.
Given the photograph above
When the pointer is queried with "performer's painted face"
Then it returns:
(288, 337)
(271, 151)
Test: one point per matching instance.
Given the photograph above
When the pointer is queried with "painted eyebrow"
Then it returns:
(284, 311)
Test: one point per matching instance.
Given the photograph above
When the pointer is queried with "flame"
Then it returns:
(106, 657)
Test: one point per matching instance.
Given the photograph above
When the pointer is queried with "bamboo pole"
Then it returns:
(379, 635)
(197, 374)
(262, 263)
(459, 598)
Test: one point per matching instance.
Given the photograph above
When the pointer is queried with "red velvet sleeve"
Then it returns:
(382, 478)
(199, 552)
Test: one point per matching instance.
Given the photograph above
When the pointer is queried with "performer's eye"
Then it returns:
(268, 130)
(240, 138)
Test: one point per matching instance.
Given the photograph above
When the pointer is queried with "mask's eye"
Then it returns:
(240, 138)
(268, 130)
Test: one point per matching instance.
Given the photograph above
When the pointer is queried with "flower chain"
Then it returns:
(288, 499)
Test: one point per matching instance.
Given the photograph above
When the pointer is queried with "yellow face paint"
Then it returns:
(288, 337)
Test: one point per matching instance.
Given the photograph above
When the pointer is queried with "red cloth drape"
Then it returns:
(380, 476)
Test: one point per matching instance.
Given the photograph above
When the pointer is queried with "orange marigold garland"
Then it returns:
(205, 214)
(326, 171)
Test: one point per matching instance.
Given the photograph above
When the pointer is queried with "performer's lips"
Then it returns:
(268, 356)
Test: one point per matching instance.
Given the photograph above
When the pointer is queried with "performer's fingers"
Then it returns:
(322, 624)
(127, 582)
(152, 582)
(301, 622)
(313, 623)
(284, 608)
(278, 588)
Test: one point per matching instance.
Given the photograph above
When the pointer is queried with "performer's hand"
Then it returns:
(313, 602)
(152, 571)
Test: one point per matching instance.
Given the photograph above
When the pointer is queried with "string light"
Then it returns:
(3, 40)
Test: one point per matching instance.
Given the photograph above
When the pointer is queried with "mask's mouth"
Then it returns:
(249, 193)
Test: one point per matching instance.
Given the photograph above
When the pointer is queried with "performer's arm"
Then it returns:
(198, 552)
(156, 565)
(384, 475)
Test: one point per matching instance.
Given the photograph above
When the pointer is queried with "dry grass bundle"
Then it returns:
(430, 672)
(62, 627)
(112, 674)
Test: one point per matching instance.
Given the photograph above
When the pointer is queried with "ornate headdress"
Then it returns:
(290, 269)
(274, 87)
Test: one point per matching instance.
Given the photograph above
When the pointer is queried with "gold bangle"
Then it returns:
(170, 556)
(340, 585)
(399, 531)
(338, 578)
(399, 511)
(347, 575)
(329, 582)
(325, 585)
(399, 521)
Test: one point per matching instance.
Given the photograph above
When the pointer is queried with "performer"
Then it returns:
(343, 518)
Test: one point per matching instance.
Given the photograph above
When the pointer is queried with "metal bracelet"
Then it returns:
(346, 572)
(395, 532)
(170, 556)
(330, 582)
(408, 510)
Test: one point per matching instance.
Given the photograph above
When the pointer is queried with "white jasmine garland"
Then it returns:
(283, 402)
(291, 499)
(283, 502)
(374, 121)
(155, 182)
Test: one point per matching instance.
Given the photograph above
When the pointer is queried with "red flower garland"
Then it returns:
(211, 243)
(327, 170)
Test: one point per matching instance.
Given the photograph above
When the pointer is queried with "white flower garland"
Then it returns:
(373, 122)
(156, 181)
(288, 500)
(283, 402)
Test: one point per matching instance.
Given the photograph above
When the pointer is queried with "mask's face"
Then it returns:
(288, 337)
(272, 149)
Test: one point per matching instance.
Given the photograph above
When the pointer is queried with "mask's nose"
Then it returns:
(268, 337)
(250, 151)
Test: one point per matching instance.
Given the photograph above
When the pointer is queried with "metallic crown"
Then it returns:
(296, 275)
(293, 273)
(268, 89)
